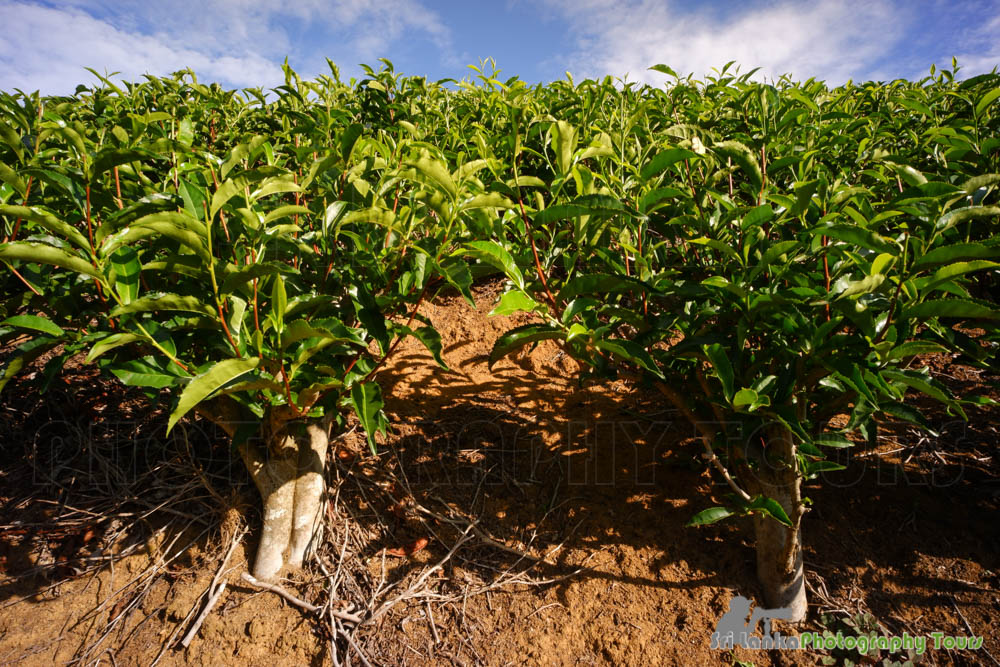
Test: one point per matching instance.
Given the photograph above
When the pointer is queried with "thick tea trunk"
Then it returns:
(779, 548)
(307, 519)
(289, 476)
(286, 464)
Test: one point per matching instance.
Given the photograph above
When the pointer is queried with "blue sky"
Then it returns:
(46, 44)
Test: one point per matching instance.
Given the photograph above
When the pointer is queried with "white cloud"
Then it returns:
(833, 39)
(981, 52)
(236, 42)
(47, 49)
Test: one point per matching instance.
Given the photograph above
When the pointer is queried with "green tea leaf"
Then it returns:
(45, 254)
(496, 255)
(366, 399)
(34, 323)
(723, 368)
(710, 516)
(518, 337)
(202, 386)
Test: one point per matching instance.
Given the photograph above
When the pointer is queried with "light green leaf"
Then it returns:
(49, 221)
(286, 212)
(520, 336)
(10, 177)
(366, 399)
(127, 267)
(710, 516)
(666, 159)
(832, 440)
(165, 302)
(202, 386)
(956, 308)
(723, 368)
(35, 323)
(46, 254)
(957, 252)
(564, 141)
(513, 302)
(602, 284)
(111, 342)
(496, 255)
(952, 218)
(279, 303)
(435, 173)
(630, 351)
(987, 100)
(744, 157)
(913, 348)
(771, 508)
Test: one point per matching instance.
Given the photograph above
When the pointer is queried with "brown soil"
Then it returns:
(600, 477)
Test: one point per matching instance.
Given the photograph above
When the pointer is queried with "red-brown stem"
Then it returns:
(90, 226)
(538, 263)
(222, 215)
(93, 252)
(645, 305)
(826, 275)
(118, 190)
(763, 175)
(17, 225)
(392, 348)
(225, 327)
(30, 286)
(177, 362)
(288, 391)
(27, 190)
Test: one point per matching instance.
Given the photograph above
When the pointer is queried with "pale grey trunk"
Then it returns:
(779, 548)
(290, 480)
(307, 525)
(287, 468)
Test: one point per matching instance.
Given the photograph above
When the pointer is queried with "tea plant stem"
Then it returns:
(288, 390)
(118, 191)
(24, 202)
(826, 274)
(215, 284)
(534, 253)
(707, 436)
(22, 279)
(395, 344)
(895, 296)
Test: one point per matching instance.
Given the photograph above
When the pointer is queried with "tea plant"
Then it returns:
(257, 262)
(767, 257)
(772, 258)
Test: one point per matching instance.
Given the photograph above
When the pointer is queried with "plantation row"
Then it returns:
(768, 257)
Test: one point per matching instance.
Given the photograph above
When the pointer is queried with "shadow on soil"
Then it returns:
(540, 463)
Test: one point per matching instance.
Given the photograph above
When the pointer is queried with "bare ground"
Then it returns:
(513, 516)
